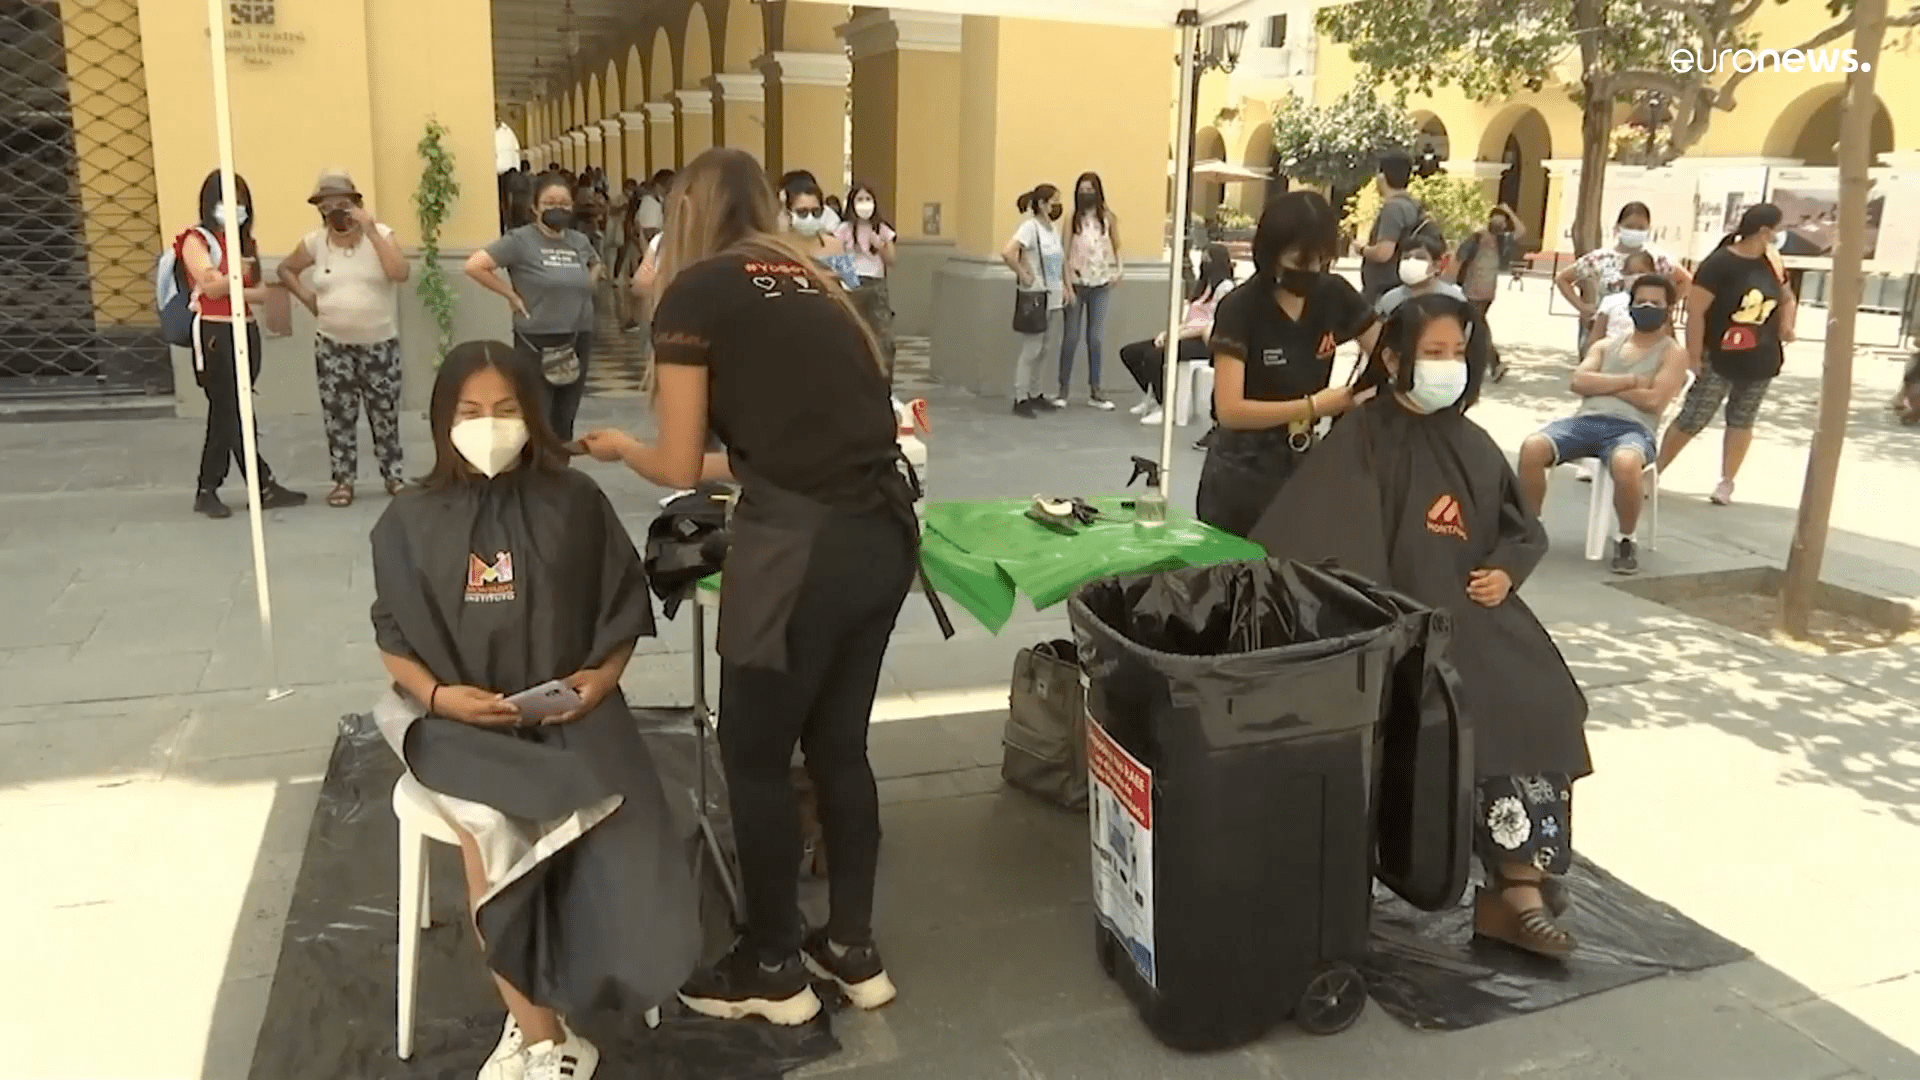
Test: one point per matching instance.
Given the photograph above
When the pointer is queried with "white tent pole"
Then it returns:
(242, 346)
(1176, 283)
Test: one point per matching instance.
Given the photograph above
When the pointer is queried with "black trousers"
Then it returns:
(859, 575)
(224, 446)
(1147, 363)
(563, 402)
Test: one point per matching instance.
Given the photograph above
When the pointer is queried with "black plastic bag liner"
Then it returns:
(330, 1011)
(1241, 716)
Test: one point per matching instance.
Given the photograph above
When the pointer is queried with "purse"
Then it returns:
(1045, 744)
(560, 364)
(1030, 306)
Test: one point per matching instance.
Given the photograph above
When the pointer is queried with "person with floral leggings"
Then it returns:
(355, 268)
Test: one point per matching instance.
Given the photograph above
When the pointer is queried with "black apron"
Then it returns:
(1242, 475)
(1415, 503)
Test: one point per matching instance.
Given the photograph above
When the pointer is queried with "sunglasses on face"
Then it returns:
(813, 212)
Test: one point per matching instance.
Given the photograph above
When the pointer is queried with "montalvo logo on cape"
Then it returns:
(490, 583)
(1443, 518)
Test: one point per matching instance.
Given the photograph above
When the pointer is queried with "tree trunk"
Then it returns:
(1596, 124)
(1836, 376)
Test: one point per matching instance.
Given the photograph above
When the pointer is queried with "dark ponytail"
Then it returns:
(1033, 200)
(1758, 216)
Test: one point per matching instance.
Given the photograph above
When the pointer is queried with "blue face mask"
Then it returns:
(220, 215)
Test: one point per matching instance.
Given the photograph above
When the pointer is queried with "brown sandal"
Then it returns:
(395, 487)
(341, 496)
(1532, 930)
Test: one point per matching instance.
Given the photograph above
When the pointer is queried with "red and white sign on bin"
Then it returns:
(1121, 810)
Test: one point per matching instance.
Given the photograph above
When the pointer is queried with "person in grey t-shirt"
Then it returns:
(554, 273)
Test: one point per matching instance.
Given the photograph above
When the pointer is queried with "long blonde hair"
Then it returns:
(721, 204)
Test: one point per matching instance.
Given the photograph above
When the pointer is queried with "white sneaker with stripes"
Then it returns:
(575, 1059)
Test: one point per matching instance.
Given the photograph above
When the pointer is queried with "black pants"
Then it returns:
(1147, 363)
(213, 369)
(859, 575)
(563, 402)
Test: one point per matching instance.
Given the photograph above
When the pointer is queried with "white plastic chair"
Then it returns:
(1600, 515)
(1193, 384)
(419, 823)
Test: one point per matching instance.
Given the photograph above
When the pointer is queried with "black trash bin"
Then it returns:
(1253, 726)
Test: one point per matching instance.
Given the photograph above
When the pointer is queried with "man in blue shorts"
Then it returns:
(1625, 384)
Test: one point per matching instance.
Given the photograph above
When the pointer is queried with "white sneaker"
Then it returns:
(1058, 402)
(575, 1059)
(1722, 493)
(508, 1060)
(1101, 403)
(1146, 406)
(1154, 417)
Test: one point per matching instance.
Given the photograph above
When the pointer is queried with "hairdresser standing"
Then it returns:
(755, 338)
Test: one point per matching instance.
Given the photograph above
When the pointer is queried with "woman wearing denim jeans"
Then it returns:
(1093, 268)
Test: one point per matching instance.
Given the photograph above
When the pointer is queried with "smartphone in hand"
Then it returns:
(541, 703)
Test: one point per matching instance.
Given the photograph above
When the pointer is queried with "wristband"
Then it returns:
(431, 695)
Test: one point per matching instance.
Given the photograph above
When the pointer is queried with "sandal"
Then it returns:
(1532, 930)
(395, 486)
(341, 496)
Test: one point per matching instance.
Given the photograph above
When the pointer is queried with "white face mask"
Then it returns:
(863, 208)
(809, 225)
(1415, 271)
(490, 443)
(1633, 239)
(1437, 384)
(220, 215)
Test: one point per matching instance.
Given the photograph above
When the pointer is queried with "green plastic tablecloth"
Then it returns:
(985, 554)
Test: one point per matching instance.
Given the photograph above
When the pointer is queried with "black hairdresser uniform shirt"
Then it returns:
(1288, 358)
(790, 391)
(1743, 323)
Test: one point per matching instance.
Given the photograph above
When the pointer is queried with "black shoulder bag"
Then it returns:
(1030, 308)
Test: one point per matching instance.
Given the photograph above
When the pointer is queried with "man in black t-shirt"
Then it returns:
(1400, 215)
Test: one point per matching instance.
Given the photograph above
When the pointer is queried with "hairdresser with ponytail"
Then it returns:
(1740, 312)
(753, 337)
(1273, 342)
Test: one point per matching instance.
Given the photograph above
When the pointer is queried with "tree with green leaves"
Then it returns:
(1606, 52)
(1338, 145)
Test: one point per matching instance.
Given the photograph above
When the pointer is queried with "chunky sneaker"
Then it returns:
(1722, 494)
(208, 503)
(1626, 557)
(1153, 417)
(508, 1060)
(739, 986)
(575, 1059)
(1025, 409)
(857, 971)
(1057, 402)
(1146, 406)
(1098, 402)
(275, 497)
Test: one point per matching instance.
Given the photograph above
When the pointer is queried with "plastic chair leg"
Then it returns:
(653, 1017)
(1183, 395)
(1599, 514)
(1202, 388)
(1652, 541)
(412, 878)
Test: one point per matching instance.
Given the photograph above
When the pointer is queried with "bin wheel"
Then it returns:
(1333, 1000)
(1103, 948)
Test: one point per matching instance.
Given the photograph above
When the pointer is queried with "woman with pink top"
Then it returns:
(1093, 268)
(1146, 361)
(867, 234)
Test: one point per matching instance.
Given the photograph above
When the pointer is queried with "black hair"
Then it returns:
(516, 192)
(1300, 221)
(662, 178)
(462, 362)
(212, 195)
(879, 219)
(1427, 240)
(1655, 281)
(551, 180)
(1032, 201)
(800, 184)
(1758, 216)
(1099, 201)
(1633, 209)
(1402, 333)
(525, 165)
(1397, 167)
(833, 203)
(1216, 266)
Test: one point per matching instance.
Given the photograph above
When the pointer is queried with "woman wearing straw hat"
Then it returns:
(356, 269)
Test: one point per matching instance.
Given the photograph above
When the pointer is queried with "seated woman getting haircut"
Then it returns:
(508, 571)
(1410, 493)
(756, 338)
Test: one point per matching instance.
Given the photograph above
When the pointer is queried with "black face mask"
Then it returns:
(339, 220)
(556, 219)
(1086, 200)
(1647, 317)
(1297, 281)
(1054, 212)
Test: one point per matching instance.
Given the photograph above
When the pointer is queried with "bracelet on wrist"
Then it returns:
(432, 696)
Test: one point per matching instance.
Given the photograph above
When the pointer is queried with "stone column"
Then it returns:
(613, 153)
(696, 122)
(596, 153)
(1014, 133)
(576, 156)
(740, 119)
(906, 142)
(663, 134)
(807, 114)
(637, 148)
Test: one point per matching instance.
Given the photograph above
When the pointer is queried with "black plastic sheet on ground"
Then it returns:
(1428, 971)
(331, 1010)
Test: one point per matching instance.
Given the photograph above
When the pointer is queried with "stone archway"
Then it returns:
(1259, 153)
(695, 96)
(636, 82)
(1809, 128)
(1208, 145)
(663, 74)
(1431, 143)
(663, 132)
(1518, 138)
(744, 37)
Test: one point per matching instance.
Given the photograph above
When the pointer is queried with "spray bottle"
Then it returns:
(911, 417)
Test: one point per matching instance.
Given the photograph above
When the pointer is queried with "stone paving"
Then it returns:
(160, 802)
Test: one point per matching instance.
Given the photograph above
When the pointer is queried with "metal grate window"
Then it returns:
(79, 214)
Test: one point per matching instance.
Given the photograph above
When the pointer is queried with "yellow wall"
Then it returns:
(106, 90)
(302, 100)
